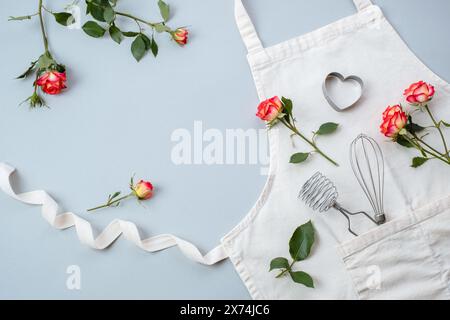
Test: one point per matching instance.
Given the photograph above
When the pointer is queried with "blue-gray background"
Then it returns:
(117, 118)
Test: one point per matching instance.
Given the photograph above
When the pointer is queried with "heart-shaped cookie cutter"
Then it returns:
(343, 79)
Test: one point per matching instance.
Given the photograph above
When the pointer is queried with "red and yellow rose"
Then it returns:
(143, 190)
(270, 109)
(52, 82)
(419, 93)
(180, 36)
(394, 121)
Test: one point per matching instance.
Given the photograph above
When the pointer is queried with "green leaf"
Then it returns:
(446, 124)
(287, 105)
(301, 242)
(132, 182)
(64, 18)
(403, 142)
(109, 15)
(147, 41)
(115, 34)
(28, 71)
(164, 10)
(115, 195)
(130, 34)
(279, 263)
(93, 29)
(412, 127)
(45, 61)
(96, 10)
(419, 161)
(21, 18)
(60, 68)
(299, 157)
(327, 128)
(302, 278)
(154, 47)
(138, 48)
(161, 27)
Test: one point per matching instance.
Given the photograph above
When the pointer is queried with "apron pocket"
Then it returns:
(407, 258)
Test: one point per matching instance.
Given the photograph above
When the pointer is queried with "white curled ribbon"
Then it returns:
(50, 212)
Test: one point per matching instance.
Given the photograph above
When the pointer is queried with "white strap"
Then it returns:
(246, 28)
(362, 4)
(117, 227)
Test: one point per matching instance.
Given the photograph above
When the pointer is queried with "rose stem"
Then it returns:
(111, 203)
(312, 144)
(427, 145)
(420, 148)
(35, 83)
(286, 270)
(439, 129)
(41, 21)
(151, 24)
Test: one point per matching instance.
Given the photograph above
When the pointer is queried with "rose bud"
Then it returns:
(143, 190)
(180, 36)
(270, 109)
(52, 81)
(394, 121)
(419, 93)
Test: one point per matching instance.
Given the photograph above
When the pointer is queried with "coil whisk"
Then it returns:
(366, 159)
(319, 193)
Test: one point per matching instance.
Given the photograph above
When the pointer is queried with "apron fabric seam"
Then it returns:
(240, 266)
(260, 202)
(351, 281)
(273, 137)
(243, 272)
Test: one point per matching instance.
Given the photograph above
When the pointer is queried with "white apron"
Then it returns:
(410, 254)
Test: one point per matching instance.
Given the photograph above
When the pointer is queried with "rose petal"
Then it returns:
(423, 89)
(422, 98)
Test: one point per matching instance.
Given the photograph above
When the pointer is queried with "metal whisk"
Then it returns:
(321, 195)
(366, 159)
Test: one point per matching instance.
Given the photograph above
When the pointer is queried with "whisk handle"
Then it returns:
(380, 218)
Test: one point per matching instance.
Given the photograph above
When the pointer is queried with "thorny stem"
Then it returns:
(311, 143)
(438, 127)
(109, 204)
(41, 21)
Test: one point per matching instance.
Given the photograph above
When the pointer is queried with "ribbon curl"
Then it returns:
(50, 212)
